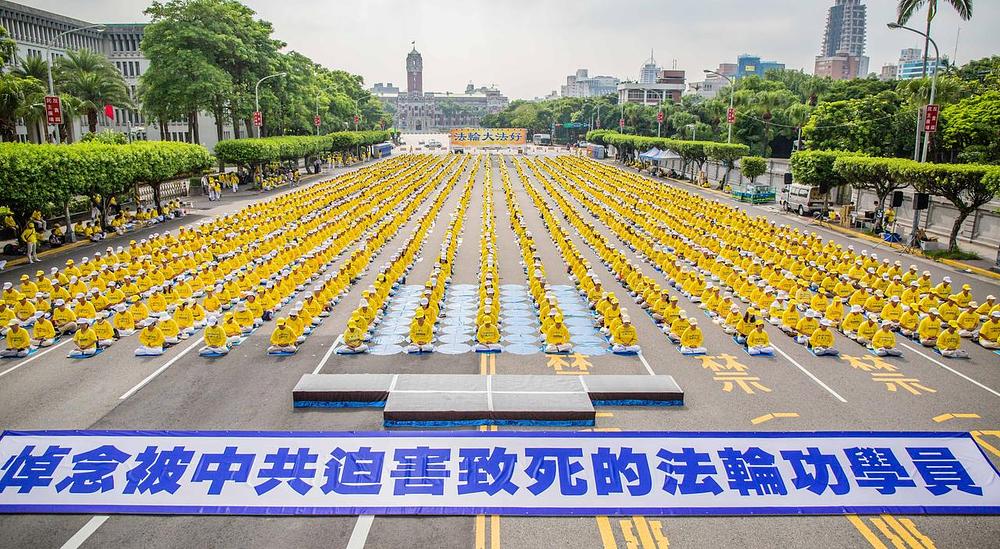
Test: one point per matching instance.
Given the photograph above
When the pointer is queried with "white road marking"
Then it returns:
(160, 370)
(952, 370)
(810, 374)
(25, 361)
(328, 354)
(82, 534)
(646, 364)
(360, 533)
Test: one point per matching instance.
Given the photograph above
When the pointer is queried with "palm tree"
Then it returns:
(91, 78)
(765, 103)
(906, 8)
(33, 110)
(15, 93)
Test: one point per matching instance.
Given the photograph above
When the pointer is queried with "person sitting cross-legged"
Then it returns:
(354, 340)
(692, 339)
(989, 333)
(758, 342)
(151, 340)
(85, 340)
(557, 337)
(883, 342)
(43, 334)
(216, 341)
(949, 340)
(421, 335)
(821, 341)
(487, 336)
(283, 338)
(625, 340)
(18, 340)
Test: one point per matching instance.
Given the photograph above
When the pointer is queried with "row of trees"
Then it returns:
(693, 154)
(967, 186)
(208, 55)
(864, 115)
(48, 178)
(251, 152)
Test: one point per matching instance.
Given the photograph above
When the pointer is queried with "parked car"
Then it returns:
(802, 199)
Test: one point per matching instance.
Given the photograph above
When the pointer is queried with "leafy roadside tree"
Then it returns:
(753, 167)
(967, 186)
(969, 129)
(91, 78)
(727, 155)
(882, 176)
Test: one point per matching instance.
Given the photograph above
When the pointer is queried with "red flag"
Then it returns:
(109, 111)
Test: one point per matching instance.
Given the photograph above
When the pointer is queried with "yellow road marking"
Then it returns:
(917, 533)
(495, 532)
(605, 414)
(493, 364)
(661, 539)
(480, 532)
(607, 536)
(630, 540)
(977, 435)
(866, 532)
(482, 365)
(768, 417)
(902, 531)
(946, 417)
(644, 535)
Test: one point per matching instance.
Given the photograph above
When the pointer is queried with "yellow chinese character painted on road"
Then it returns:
(869, 363)
(728, 363)
(579, 366)
(893, 382)
(741, 380)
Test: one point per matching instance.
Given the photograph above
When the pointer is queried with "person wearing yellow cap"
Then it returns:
(84, 340)
(44, 333)
(151, 340)
(758, 343)
(216, 341)
(282, 338)
(354, 340)
(883, 341)
(26, 312)
(18, 341)
(988, 335)
(692, 339)
(557, 337)
(949, 341)
(821, 341)
(968, 320)
(624, 341)
(421, 334)
(487, 336)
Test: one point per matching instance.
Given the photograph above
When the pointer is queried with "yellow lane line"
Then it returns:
(607, 536)
(946, 417)
(480, 532)
(902, 531)
(661, 539)
(768, 417)
(644, 535)
(495, 532)
(866, 532)
(928, 542)
(605, 414)
(888, 533)
(630, 540)
(977, 435)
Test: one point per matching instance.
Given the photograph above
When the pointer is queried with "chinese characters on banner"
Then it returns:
(536, 473)
(482, 137)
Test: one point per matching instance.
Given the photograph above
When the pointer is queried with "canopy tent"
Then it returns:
(665, 155)
(649, 155)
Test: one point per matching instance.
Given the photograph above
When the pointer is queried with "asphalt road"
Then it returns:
(249, 390)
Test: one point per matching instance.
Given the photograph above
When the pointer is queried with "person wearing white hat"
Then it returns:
(821, 341)
(988, 335)
(625, 340)
(692, 340)
(85, 340)
(883, 342)
(216, 342)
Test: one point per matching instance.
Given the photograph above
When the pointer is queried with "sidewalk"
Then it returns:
(980, 267)
(201, 208)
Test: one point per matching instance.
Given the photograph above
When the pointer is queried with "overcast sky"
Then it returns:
(527, 47)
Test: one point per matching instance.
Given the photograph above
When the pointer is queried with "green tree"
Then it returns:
(753, 167)
(882, 176)
(91, 78)
(726, 154)
(967, 186)
(970, 129)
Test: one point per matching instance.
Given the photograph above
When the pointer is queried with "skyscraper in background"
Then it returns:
(649, 70)
(842, 56)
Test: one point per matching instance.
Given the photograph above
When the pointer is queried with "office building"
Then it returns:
(649, 70)
(747, 65)
(714, 81)
(37, 32)
(889, 72)
(842, 55)
(582, 84)
(911, 64)
(668, 86)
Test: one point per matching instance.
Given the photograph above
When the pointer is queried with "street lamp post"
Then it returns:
(732, 88)
(48, 65)
(256, 96)
(927, 135)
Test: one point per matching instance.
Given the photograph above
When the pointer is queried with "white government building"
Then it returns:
(37, 35)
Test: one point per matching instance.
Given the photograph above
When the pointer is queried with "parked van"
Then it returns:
(802, 199)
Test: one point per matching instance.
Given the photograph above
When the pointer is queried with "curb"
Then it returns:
(51, 251)
(972, 268)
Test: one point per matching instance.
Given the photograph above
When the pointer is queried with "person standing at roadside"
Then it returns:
(30, 238)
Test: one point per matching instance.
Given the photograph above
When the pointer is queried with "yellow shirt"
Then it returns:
(215, 336)
(421, 333)
(758, 338)
(283, 337)
(866, 330)
(948, 340)
(557, 335)
(990, 330)
(85, 338)
(822, 337)
(929, 328)
(44, 329)
(692, 337)
(488, 334)
(151, 336)
(625, 335)
(883, 339)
